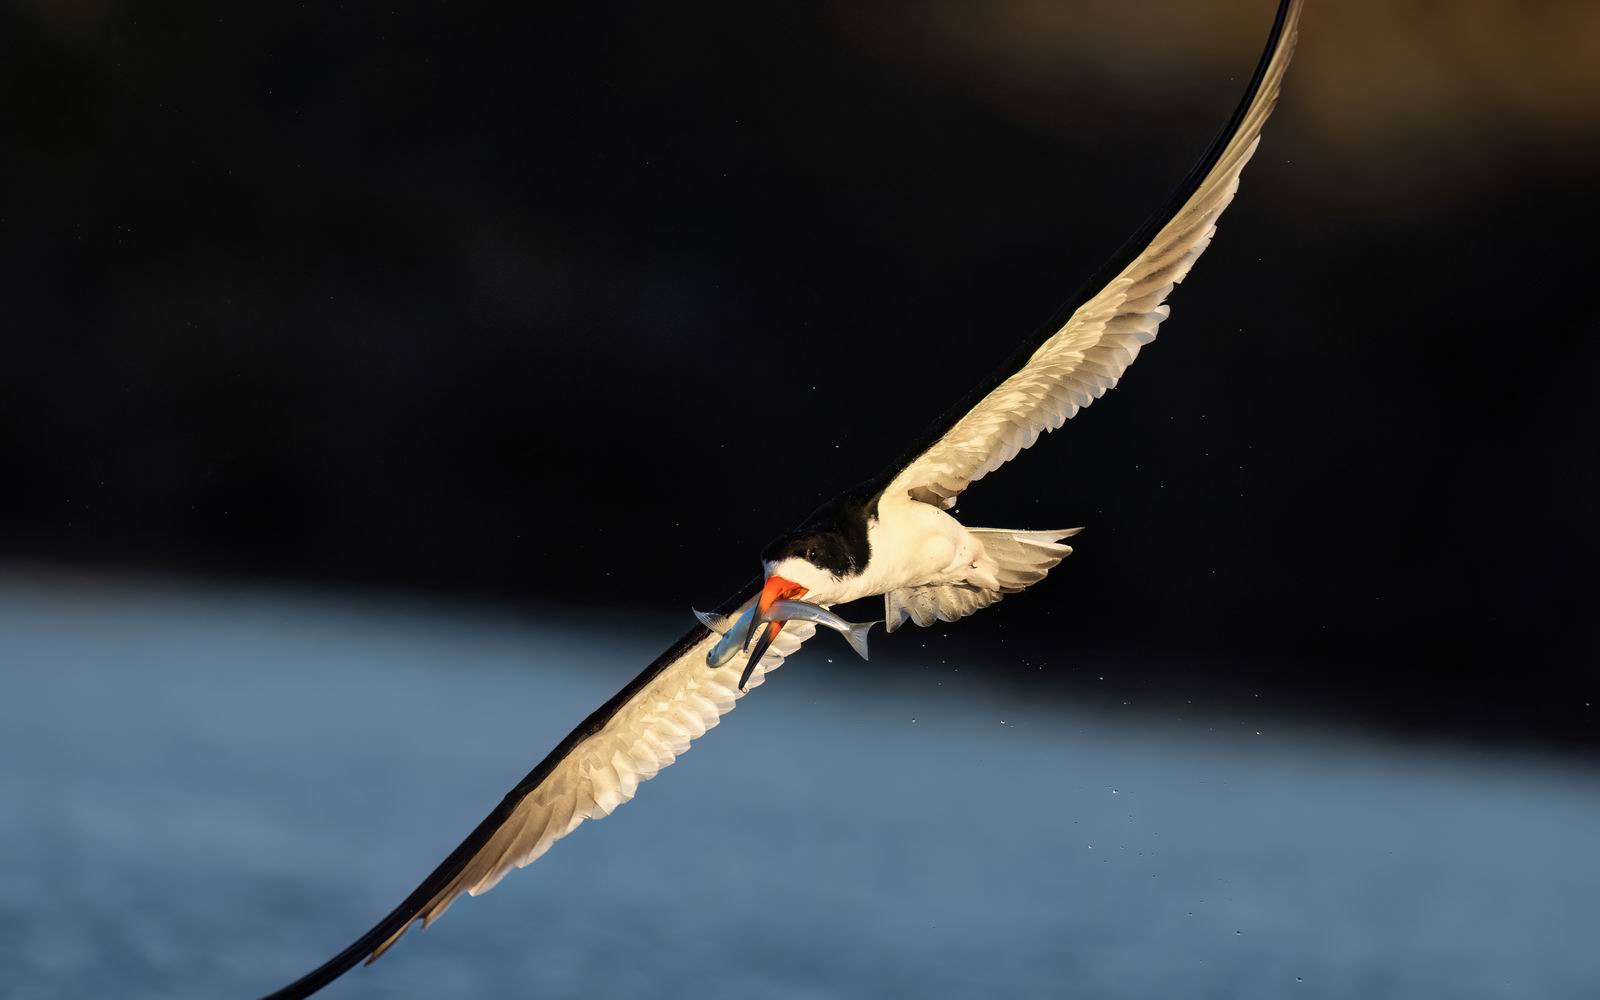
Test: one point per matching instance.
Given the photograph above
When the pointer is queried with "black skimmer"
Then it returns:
(892, 536)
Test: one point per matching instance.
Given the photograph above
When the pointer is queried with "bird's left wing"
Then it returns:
(597, 768)
(1046, 383)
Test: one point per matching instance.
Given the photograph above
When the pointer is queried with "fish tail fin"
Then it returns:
(857, 637)
(716, 623)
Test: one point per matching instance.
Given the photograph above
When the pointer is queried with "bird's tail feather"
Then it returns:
(1021, 558)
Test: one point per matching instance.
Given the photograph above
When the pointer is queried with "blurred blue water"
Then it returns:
(206, 794)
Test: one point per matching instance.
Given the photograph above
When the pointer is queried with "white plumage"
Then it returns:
(1086, 357)
(604, 771)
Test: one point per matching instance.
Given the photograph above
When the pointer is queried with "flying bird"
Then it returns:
(892, 536)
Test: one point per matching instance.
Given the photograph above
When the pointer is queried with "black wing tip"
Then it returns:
(366, 950)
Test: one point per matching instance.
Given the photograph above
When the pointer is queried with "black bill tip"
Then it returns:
(767, 635)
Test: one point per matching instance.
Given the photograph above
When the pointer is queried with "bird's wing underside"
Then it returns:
(597, 768)
(1047, 381)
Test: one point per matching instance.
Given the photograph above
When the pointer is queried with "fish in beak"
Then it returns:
(733, 638)
(776, 589)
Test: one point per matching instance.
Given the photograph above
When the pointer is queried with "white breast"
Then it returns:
(913, 544)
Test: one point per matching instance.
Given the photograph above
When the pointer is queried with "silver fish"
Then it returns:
(781, 611)
(855, 633)
(732, 635)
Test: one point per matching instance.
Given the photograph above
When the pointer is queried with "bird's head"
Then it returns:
(803, 562)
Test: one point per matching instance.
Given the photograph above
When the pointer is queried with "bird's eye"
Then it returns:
(811, 553)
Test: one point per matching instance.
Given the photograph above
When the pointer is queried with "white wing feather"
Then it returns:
(1086, 357)
(605, 770)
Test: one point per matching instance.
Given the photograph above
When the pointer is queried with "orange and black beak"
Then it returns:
(776, 589)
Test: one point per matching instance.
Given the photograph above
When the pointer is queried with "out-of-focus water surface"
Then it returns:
(206, 794)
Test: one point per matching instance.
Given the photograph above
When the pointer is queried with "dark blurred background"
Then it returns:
(510, 305)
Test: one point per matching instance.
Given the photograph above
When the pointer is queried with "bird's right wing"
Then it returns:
(597, 768)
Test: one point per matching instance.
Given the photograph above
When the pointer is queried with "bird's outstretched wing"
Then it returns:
(1073, 361)
(597, 768)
